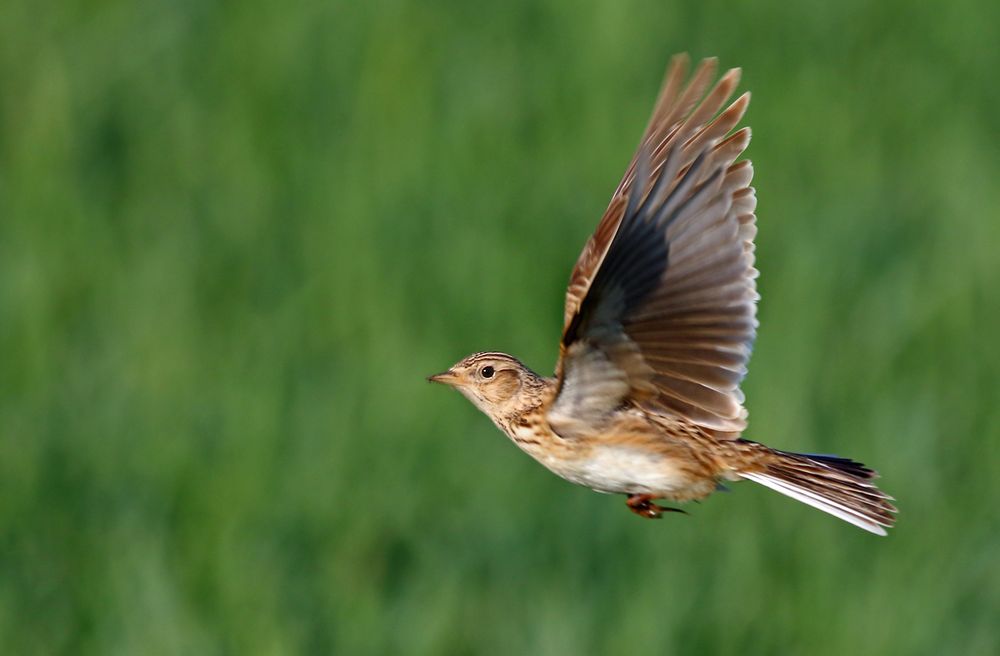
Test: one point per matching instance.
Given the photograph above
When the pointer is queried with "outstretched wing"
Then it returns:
(661, 305)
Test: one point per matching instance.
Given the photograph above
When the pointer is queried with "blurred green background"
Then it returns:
(234, 238)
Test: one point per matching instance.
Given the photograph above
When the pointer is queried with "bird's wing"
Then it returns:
(661, 305)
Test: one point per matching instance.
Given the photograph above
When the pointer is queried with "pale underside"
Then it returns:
(636, 454)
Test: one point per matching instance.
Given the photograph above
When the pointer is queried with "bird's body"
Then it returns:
(659, 321)
(632, 452)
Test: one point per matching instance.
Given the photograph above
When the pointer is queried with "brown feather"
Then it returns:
(694, 325)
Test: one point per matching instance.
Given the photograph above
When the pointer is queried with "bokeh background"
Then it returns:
(235, 237)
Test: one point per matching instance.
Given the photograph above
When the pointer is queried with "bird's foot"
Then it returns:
(642, 505)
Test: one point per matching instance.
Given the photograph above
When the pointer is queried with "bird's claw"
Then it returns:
(642, 505)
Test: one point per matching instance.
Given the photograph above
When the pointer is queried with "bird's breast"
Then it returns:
(625, 463)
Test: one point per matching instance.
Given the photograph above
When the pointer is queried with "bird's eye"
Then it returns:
(487, 372)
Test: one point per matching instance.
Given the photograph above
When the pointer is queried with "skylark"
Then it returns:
(658, 327)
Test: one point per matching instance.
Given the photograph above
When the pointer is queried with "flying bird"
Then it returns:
(659, 322)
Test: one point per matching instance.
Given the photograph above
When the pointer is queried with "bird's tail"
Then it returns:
(839, 486)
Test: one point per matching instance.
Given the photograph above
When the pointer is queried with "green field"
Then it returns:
(235, 239)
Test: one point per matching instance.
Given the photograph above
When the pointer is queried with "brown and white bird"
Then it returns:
(659, 323)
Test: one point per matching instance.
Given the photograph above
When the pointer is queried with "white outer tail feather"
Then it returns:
(816, 501)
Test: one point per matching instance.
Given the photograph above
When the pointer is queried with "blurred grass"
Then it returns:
(233, 240)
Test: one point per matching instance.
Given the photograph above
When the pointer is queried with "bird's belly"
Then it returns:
(629, 470)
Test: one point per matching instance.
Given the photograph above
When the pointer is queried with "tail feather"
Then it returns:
(838, 486)
(845, 465)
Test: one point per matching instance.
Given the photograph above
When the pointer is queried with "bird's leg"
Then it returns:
(642, 505)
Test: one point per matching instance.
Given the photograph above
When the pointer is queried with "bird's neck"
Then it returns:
(533, 399)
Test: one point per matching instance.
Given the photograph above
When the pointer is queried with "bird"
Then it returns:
(659, 322)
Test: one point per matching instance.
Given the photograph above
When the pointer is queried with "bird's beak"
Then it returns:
(445, 378)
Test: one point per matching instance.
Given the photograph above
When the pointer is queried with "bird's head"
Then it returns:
(494, 382)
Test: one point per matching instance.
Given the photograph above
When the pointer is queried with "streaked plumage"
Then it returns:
(660, 319)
